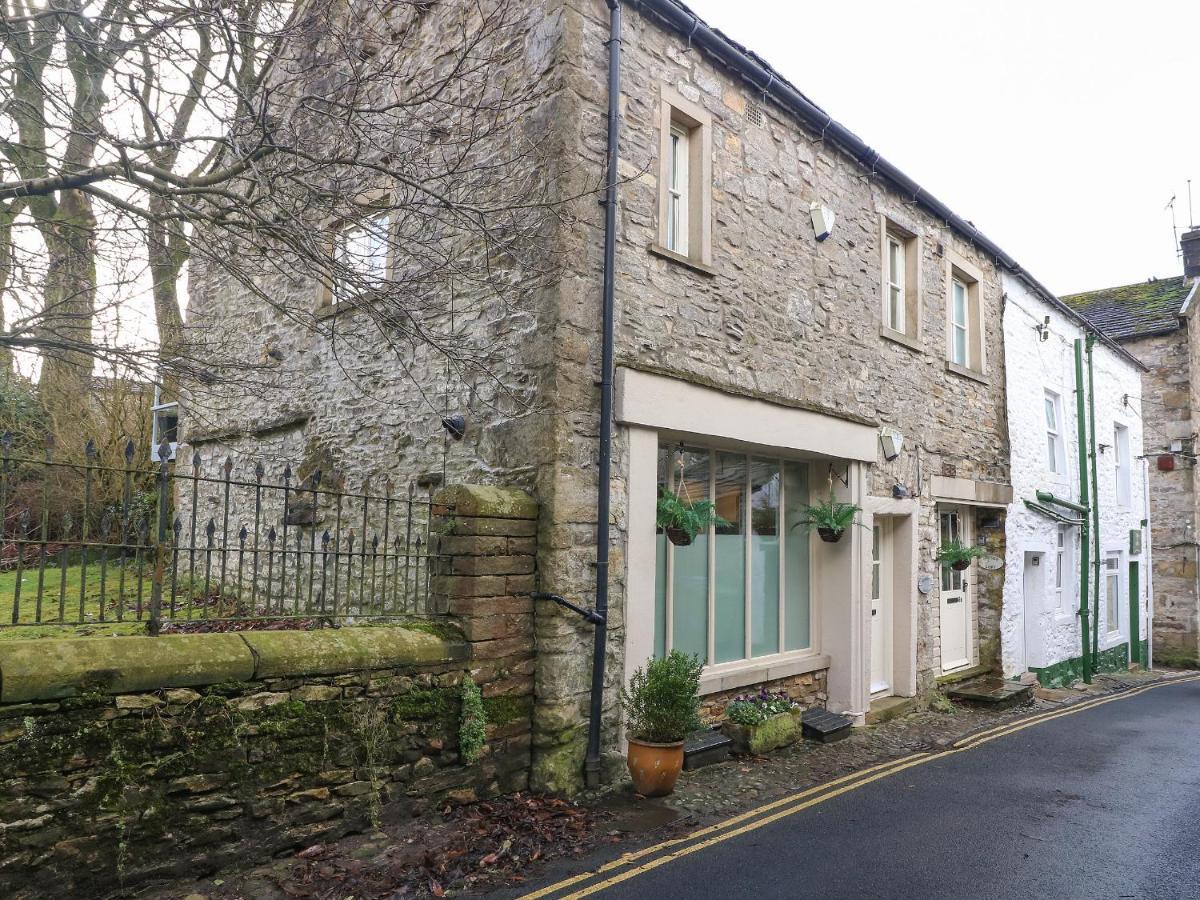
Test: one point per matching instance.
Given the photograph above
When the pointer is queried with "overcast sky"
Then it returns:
(1061, 127)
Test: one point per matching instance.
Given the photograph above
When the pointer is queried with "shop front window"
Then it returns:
(739, 590)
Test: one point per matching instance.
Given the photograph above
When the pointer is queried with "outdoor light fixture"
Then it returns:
(892, 441)
(822, 219)
(455, 425)
(1043, 329)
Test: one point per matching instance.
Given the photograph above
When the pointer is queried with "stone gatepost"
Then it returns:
(486, 541)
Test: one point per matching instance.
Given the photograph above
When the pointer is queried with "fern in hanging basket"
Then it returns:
(957, 555)
(683, 521)
(830, 518)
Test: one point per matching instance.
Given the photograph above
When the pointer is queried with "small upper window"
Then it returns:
(1121, 463)
(901, 303)
(965, 318)
(677, 192)
(164, 427)
(361, 255)
(1055, 456)
(685, 181)
(960, 324)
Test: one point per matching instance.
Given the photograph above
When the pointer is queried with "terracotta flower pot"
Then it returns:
(961, 565)
(655, 767)
(829, 535)
(679, 537)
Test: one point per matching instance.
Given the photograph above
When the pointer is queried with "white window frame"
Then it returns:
(960, 327)
(156, 409)
(1112, 579)
(1121, 464)
(1055, 445)
(896, 276)
(1064, 568)
(678, 190)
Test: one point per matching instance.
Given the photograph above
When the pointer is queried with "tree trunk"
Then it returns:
(70, 306)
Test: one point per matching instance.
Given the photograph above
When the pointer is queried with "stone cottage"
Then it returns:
(1156, 322)
(793, 319)
(1041, 624)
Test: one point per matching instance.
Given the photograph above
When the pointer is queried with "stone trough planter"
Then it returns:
(781, 730)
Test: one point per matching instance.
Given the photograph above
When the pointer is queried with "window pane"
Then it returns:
(951, 580)
(764, 556)
(960, 304)
(730, 601)
(689, 600)
(875, 562)
(960, 346)
(795, 566)
(1051, 417)
(1052, 450)
(660, 562)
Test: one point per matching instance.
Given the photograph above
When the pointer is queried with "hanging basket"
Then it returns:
(960, 565)
(679, 537)
(830, 535)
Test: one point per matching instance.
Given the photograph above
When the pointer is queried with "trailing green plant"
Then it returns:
(472, 727)
(754, 709)
(662, 702)
(829, 515)
(955, 552)
(691, 518)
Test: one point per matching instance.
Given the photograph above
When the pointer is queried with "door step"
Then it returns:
(992, 693)
(823, 726)
(887, 708)
(705, 748)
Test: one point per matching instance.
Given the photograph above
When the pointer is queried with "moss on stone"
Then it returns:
(337, 650)
(559, 770)
(487, 501)
(504, 710)
(425, 704)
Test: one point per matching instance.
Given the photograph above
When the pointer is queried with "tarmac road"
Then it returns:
(1103, 802)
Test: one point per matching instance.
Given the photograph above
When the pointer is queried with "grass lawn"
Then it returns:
(29, 625)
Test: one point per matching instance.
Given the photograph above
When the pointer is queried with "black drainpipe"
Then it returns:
(592, 763)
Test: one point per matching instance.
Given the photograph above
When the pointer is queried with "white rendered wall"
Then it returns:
(1032, 367)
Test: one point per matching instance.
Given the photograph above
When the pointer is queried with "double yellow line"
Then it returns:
(630, 865)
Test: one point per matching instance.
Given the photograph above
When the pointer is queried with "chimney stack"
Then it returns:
(1190, 245)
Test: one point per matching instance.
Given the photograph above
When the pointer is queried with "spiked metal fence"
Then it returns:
(87, 541)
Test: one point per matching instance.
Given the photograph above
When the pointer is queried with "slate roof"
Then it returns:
(1134, 310)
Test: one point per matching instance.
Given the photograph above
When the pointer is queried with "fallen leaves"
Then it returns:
(470, 846)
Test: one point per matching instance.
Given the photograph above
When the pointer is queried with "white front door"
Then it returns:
(956, 594)
(1034, 585)
(881, 609)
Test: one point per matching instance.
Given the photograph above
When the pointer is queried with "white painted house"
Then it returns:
(1041, 620)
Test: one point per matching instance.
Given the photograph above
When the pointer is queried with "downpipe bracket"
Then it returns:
(589, 615)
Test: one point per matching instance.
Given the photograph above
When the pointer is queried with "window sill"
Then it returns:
(686, 261)
(734, 675)
(966, 373)
(900, 337)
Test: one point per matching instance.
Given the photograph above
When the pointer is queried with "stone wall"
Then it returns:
(132, 759)
(1170, 407)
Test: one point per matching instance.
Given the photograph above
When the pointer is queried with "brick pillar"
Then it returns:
(486, 540)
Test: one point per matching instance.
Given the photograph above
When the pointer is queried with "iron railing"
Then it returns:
(86, 542)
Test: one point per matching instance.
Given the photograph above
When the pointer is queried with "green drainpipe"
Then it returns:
(1084, 545)
(1091, 340)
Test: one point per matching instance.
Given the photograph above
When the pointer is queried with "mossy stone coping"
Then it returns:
(487, 501)
(52, 669)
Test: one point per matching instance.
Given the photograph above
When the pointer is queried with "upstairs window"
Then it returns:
(164, 427)
(1121, 464)
(901, 301)
(685, 182)
(1055, 452)
(960, 324)
(964, 319)
(362, 257)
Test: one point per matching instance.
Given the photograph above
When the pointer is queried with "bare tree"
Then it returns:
(253, 137)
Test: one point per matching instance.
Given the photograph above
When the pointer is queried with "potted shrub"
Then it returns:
(830, 518)
(957, 555)
(760, 722)
(661, 708)
(682, 521)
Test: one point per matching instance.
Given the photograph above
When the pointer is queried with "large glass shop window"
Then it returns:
(740, 589)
